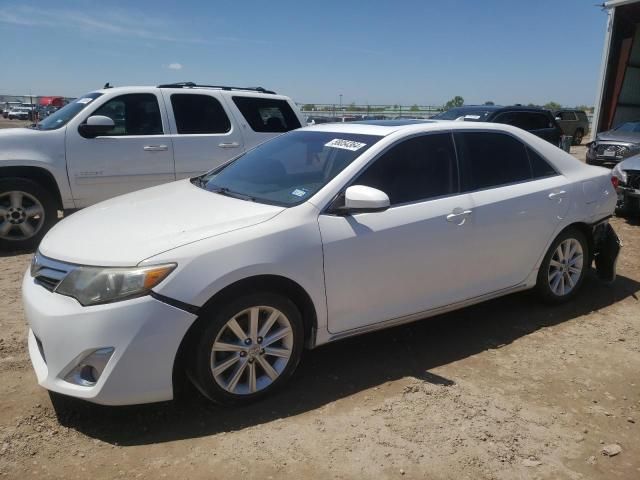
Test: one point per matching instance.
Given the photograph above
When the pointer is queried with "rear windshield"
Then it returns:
(288, 169)
(61, 117)
(469, 114)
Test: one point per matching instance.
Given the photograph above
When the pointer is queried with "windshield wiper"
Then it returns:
(230, 193)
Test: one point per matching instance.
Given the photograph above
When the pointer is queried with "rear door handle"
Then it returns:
(155, 148)
(458, 216)
(554, 195)
(229, 145)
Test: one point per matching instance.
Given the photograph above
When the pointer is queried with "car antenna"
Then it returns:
(106, 85)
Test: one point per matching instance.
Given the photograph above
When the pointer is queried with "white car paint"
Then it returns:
(362, 271)
(87, 171)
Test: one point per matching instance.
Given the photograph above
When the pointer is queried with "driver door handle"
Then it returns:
(229, 145)
(458, 216)
(554, 195)
(155, 148)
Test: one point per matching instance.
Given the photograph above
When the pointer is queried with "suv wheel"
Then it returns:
(564, 267)
(578, 136)
(27, 212)
(249, 348)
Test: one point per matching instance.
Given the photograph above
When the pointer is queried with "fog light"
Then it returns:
(87, 371)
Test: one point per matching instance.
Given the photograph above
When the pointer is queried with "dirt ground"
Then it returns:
(509, 389)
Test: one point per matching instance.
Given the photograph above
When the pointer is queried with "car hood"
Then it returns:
(125, 230)
(28, 144)
(614, 136)
(631, 163)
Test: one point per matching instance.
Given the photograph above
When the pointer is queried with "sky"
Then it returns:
(394, 52)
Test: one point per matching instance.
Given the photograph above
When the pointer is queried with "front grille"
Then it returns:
(47, 272)
(619, 149)
(633, 179)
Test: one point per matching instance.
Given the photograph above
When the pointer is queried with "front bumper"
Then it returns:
(145, 334)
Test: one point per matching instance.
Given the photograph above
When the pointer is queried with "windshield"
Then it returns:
(289, 169)
(633, 127)
(66, 113)
(469, 114)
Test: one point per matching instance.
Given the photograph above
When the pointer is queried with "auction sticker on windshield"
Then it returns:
(345, 144)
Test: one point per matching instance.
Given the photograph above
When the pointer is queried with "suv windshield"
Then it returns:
(66, 113)
(633, 127)
(469, 114)
(289, 169)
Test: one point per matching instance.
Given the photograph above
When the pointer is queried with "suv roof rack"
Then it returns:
(221, 87)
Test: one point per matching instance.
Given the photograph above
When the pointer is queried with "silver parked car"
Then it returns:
(626, 179)
(615, 145)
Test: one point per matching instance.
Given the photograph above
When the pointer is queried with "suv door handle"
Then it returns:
(458, 216)
(155, 148)
(229, 145)
(554, 195)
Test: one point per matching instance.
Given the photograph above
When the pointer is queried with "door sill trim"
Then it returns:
(426, 313)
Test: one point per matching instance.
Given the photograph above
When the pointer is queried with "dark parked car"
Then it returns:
(626, 176)
(536, 120)
(573, 122)
(615, 145)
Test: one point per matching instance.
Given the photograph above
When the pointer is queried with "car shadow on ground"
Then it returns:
(345, 368)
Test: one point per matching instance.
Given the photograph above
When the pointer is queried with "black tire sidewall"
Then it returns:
(214, 319)
(48, 203)
(542, 283)
(575, 138)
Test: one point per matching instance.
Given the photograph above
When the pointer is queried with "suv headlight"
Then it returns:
(96, 285)
(619, 173)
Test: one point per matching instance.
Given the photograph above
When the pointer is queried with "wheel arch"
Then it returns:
(267, 283)
(37, 174)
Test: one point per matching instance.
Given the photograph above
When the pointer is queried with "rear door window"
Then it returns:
(489, 159)
(267, 115)
(199, 114)
(540, 168)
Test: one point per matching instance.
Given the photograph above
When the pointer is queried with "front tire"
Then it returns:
(247, 349)
(27, 212)
(564, 267)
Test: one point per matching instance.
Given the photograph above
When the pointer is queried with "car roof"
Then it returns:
(152, 88)
(372, 128)
(395, 123)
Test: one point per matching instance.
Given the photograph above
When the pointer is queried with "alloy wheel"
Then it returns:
(21, 215)
(565, 267)
(252, 350)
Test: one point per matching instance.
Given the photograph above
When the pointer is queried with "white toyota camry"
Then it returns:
(319, 234)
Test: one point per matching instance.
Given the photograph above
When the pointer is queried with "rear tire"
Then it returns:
(27, 212)
(578, 136)
(564, 267)
(234, 363)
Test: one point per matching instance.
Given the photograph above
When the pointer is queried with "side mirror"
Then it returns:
(96, 125)
(558, 119)
(362, 199)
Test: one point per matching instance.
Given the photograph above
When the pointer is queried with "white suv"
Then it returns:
(117, 140)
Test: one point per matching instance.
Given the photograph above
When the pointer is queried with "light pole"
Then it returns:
(340, 101)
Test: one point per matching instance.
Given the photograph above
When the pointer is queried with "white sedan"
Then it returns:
(319, 234)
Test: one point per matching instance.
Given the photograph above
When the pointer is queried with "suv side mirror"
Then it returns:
(96, 125)
(363, 199)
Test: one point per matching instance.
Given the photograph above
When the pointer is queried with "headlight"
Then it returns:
(95, 285)
(619, 173)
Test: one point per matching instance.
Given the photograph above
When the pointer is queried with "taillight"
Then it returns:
(615, 181)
